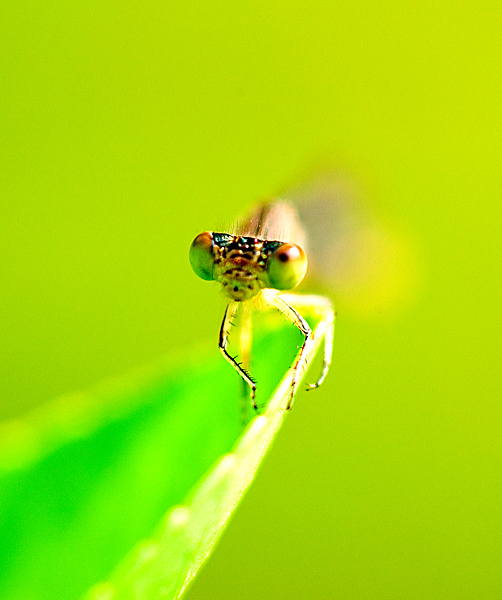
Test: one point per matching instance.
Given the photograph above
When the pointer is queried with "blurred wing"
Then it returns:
(367, 260)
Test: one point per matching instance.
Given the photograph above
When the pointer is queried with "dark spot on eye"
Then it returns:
(236, 289)
(284, 257)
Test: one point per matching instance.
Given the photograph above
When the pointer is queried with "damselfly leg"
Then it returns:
(240, 367)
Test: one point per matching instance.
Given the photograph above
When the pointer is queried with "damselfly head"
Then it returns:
(246, 265)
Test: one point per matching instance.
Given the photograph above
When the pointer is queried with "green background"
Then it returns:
(126, 129)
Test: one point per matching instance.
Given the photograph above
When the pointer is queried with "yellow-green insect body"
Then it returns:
(258, 265)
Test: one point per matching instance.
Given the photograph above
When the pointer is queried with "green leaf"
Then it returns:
(148, 467)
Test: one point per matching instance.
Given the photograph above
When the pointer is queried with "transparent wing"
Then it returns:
(368, 262)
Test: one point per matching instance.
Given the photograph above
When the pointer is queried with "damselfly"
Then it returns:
(255, 264)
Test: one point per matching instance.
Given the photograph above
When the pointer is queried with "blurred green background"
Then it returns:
(126, 129)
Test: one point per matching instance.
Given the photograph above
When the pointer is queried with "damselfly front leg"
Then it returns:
(227, 322)
(318, 306)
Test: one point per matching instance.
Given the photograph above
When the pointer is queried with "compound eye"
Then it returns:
(286, 267)
(201, 255)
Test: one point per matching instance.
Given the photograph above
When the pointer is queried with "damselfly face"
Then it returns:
(246, 265)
